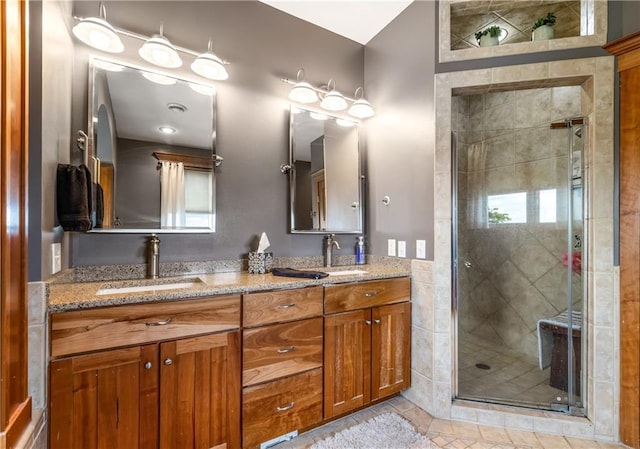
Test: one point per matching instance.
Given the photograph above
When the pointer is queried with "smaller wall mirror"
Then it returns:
(325, 180)
(152, 150)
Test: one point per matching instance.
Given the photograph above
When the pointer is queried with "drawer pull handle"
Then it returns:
(285, 350)
(168, 362)
(370, 294)
(376, 321)
(286, 306)
(148, 365)
(159, 323)
(286, 407)
(367, 322)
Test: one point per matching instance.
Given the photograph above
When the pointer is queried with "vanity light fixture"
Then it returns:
(98, 33)
(209, 66)
(361, 108)
(302, 92)
(159, 51)
(331, 99)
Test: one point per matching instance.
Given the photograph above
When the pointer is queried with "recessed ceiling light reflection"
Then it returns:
(167, 130)
(202, 89)
(159, 79)
(318, 116)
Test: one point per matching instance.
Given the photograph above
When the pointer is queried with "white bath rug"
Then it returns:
(386, 431)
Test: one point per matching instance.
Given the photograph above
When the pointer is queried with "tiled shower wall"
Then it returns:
(511, 274)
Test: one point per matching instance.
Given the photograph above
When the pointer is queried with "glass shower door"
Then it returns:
(518, 267)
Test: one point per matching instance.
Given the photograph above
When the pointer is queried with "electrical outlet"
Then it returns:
(421, 249)
(56, 258)
(391, 247)
(402, 248)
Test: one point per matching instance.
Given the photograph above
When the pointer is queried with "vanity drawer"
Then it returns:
(282, 305)
(111, 327)
(281, 406)
(361, 295)
(280, 350)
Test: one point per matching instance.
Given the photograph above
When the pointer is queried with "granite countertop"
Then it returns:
(83, 295)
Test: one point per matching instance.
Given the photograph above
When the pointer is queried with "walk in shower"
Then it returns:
(519, 247)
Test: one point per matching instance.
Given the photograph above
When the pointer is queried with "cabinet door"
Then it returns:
(106, 400)
(200, 392)
(391, 350)
(347, 362)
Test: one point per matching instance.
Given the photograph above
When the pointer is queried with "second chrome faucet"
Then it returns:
(329, 243)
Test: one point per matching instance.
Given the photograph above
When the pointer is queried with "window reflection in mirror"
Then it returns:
(325, 179)
(153, 147)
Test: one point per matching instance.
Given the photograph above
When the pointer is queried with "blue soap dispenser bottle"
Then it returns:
(360, 251)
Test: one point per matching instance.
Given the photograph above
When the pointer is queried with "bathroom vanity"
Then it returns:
(231, 361)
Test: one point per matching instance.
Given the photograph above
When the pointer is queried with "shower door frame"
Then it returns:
(570, 407)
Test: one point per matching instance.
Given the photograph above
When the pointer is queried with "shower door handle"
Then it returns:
(467, 264)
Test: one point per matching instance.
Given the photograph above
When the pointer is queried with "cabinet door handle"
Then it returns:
(370, 294)
(376, 321)
(285, 350)
(148, 365)
(286, 306)
(159, 323)
(285, 407)
(367, 322)
(168, 362)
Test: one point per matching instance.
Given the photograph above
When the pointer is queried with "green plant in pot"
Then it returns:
(489, 36)
(543, 28)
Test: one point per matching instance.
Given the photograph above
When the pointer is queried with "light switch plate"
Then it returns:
(391, 247)
(56, 258)
(421, 249)
(402, 248)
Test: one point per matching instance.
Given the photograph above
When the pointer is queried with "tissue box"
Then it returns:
(260, 263)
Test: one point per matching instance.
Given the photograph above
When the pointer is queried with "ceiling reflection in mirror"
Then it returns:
(325, 180)
(153, 149)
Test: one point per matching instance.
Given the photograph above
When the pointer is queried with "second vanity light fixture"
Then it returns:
(100, 34)
(330, 98)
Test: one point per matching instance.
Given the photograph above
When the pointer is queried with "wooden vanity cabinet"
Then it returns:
(367, 343)
(182, 392)
(281, 363)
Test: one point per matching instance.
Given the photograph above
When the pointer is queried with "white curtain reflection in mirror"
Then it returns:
(477, 186)
(172, 198)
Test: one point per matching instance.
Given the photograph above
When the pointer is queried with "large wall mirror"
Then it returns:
(151, 150)
(325, 180)
(578, 23)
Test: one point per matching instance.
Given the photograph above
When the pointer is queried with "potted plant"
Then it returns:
(489, 36)
(543, 28)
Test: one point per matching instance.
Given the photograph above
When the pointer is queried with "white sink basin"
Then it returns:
(346, 272)
(152, 286)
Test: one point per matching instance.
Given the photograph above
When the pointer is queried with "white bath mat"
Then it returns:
(386, 431)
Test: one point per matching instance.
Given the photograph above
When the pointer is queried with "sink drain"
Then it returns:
(482, 366)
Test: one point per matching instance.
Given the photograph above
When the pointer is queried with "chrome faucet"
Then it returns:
(329, 243)
(153, 262)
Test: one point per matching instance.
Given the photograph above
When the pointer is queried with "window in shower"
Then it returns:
(519, 277)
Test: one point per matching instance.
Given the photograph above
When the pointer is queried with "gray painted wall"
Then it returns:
(399, 69)
(262, 44)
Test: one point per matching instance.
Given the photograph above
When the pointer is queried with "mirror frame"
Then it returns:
(90, 151)
(599, 37)
(292, 179)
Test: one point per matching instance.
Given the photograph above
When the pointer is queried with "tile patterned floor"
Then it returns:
(449, 434)
(511, 377)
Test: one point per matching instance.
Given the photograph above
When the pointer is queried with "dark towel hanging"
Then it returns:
(292, 272)
(99, 209)
(73, 196)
